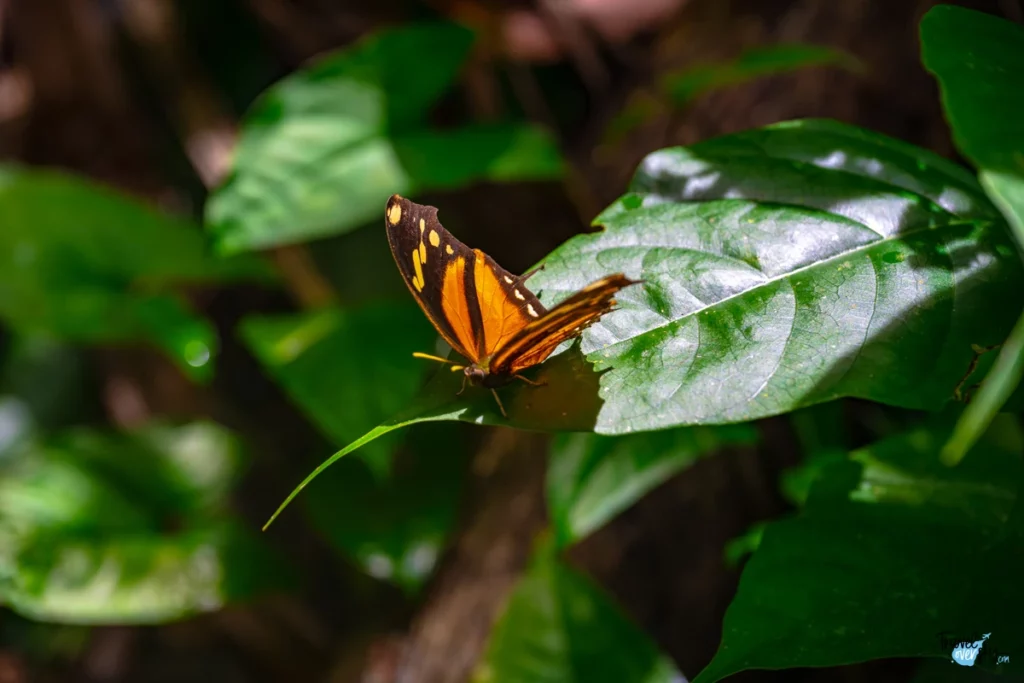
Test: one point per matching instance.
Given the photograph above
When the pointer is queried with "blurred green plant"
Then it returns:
(593, 478)
(678, 89)
(99, 528)
(322, 150)
(85, 264)
(559, 628)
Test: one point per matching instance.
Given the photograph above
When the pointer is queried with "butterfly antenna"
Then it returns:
(427, 356)
(500, 407)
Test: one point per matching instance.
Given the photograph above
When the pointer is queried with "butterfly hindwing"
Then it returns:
(535, 342)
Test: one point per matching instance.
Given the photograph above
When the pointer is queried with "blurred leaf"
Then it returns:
(978, 60)
(324, 148)
(348, 370)
(16, 424)
(395, 529)
(891, 550)
(98, 528)
(685, 85)
(83, 263)
(593, 478)
(848, 264)
(744, 544)
(135, 578)
(52, 378)
(558, 628)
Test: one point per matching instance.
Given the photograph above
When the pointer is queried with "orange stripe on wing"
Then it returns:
(456, 310)
(502, 317)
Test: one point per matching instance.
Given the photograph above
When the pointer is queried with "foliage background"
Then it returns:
(156, 424)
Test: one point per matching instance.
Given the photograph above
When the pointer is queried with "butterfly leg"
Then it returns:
(500, 406)
(530, 381)
(464, 378)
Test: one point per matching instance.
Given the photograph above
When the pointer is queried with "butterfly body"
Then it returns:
(484, 312)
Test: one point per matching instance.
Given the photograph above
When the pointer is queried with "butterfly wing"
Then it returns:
(436, 267)
(538, 339)
(475, 304)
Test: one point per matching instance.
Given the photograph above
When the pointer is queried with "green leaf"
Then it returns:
(978, 60)
(593, 478)
(323, 149)
(847, 264)
(82, 263)
(135, 579)
(891, 550)
(558, 628)
(99, 528)
(395, 528)
(685, 85)
(348, 370)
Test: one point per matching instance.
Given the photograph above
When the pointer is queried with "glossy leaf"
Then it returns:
(323, 149)
(891, 550)
(593, 478)
(348, 370)
(130, 528)
(844, 263)
(558, 628)
(83, 263)
(978, 60)
(395, 528)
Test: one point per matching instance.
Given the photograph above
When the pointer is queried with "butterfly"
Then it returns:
(483, 311)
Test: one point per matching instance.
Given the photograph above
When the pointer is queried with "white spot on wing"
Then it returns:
(529, 309)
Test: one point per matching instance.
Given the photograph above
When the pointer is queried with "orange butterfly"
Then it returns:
(483, 311)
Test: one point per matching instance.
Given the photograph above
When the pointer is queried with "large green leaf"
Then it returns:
(395, 528)
(98, 528)
(844, 263)
(978, 60)
(348, 370)
(322, 150)
(558, 628)
(83, 263)
(592, 478)
(891, 551)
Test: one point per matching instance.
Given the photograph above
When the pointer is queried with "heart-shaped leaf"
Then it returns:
(323, 149)
(978, 60)
(893, 555)
(558, 628)
(132, 528)
(844, 263)
(80, 262)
